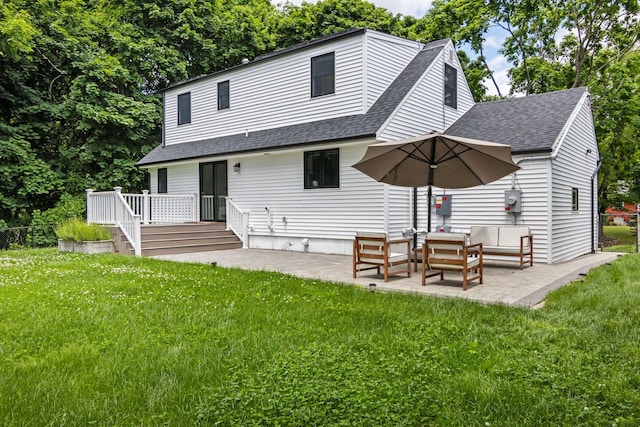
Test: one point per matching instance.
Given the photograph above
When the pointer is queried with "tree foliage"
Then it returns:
(80, 81)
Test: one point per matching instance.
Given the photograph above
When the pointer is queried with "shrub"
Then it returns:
(78, 230)
(67, 207)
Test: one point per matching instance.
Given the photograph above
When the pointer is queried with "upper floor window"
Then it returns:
(223, 95)
(574, 199)
(184, 108)
(323, 75)
(322, 169)
(162, 180)
(450, 86)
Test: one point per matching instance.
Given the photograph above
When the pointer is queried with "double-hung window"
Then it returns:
(450, 86)
(223, 95)
(323, 75)
(322, 169)
(162, 180)
(184, 108)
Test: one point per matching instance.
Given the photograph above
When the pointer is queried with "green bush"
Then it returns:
(67, 207)
(78, 230)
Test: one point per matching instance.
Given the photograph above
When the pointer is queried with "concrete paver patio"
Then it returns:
(503, 283)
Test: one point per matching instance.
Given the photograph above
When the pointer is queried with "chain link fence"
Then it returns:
(619, 232)
(41, 236)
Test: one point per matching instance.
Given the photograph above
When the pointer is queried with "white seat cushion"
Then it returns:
(487, 235)
(510, 236)
(472, 262)
(396, 257)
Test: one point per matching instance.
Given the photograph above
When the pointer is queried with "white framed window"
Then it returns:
(322, 169)
(223, 95)
(184, 108)
(323, 75)
(450, 86)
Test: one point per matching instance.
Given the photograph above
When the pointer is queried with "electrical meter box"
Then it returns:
(513, 201)
(443, 205)
(443, 229)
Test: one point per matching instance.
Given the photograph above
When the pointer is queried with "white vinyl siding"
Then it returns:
(270, 94)
(423, 110)
(386, 57)
(573, 168)
(484, 205)
(313, 213)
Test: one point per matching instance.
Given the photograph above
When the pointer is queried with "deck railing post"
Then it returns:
(146, 207)
(90, 209)
(137, 250)
(117, 215)
(196, 214)
(245, 230)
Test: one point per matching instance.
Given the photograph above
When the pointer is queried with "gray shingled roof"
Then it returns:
(530, 124)
(340, 128)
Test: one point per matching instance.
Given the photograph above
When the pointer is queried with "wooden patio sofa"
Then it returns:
(505, 241)
(373, 250)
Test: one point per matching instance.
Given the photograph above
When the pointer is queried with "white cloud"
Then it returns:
(405, 7)
(502, 80)
(493, 42)
(498, 62)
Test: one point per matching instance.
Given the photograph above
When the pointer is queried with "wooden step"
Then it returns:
(191, 248)
(162, 239)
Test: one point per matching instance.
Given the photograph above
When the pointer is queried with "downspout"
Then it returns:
(163, 120)
(593, 206)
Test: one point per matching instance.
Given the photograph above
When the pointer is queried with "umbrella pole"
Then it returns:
(429, 210)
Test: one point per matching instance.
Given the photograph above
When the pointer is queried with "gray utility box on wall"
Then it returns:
(443, 205)
(513, 201)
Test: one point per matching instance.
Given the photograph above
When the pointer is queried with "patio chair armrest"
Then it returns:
(398, 241)
(474, 246)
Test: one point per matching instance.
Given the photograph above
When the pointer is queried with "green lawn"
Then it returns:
(619, 238)
(111, 340)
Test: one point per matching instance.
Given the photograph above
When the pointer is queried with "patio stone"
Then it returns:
(503, 283)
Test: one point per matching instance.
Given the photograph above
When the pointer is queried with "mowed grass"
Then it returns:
(619, 238)
(112, 340)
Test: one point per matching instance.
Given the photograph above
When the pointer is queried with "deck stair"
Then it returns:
(163, 239)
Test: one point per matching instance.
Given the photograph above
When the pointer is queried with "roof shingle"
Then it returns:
(529, 124)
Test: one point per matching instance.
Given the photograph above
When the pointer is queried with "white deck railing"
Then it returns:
(128, 222)
(238, 222)
(128, 211)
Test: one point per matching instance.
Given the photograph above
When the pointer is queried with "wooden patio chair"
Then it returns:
(374, 250)
(450, 252)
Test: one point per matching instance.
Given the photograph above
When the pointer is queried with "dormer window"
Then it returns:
(323, 75)
(184, 108)
(223, 95)
(450, 86)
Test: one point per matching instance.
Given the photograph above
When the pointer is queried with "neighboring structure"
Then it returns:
(279, 134)
(621, 216)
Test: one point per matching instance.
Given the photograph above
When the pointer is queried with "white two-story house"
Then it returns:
(279, 135)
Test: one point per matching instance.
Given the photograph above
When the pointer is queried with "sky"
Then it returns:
(418, 8)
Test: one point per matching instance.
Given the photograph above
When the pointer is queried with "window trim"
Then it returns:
(451, 87)
(316, 75)
(160, 179)
(183, 120)
(575, 199)
(227, 92)
(307, 183)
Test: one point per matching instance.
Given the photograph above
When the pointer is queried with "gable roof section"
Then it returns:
(530, 124)
(339, 128)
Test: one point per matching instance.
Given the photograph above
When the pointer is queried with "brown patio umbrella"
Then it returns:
(445, 161)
